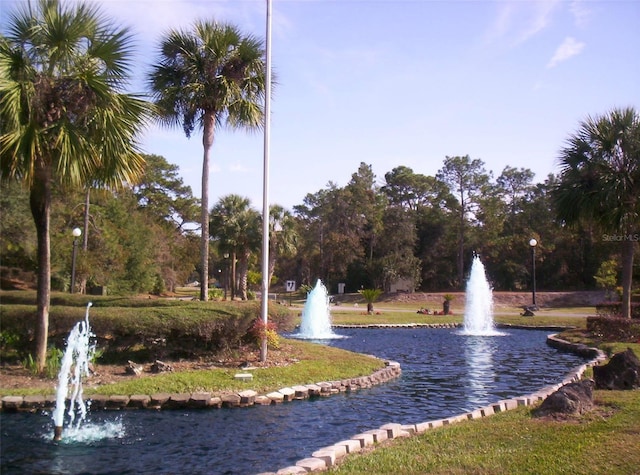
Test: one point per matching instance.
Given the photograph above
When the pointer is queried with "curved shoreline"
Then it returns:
(207, 400)
(326, 457)
(245, 398)
(248, 397)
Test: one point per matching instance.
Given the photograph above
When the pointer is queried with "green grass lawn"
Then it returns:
(605, 441)
(315, 363)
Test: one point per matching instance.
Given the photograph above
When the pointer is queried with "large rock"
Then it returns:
(621, 372)
(161, 367)
(570, 399)
(133, 368)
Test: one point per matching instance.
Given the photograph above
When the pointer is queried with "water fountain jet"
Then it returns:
(316, 316)
(74, 365)
(478, 311)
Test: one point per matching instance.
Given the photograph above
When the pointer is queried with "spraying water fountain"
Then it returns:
(478, 312)
(74, 366)
(316, 317)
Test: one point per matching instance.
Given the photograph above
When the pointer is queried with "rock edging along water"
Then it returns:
(326, 457)
(245, 398)
(203, 400)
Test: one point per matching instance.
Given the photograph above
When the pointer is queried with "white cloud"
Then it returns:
(517, 22)
(537, 20)
(581, 13)
(570, 47)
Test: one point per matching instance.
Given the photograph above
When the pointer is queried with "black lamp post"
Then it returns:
(76, 234)
(533, 243)
(226, 274)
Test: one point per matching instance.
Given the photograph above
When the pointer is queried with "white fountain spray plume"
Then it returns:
(316, 317)
(74, 365)
(478, 311)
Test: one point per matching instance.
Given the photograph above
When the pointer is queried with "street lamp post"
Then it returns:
(533, 243)
(226, 274)
(76, 234)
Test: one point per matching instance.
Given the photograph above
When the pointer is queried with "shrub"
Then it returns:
(216, 294)
(142, 330)
(614, 328)
(259, 331)
(614, 309)
(52, 364)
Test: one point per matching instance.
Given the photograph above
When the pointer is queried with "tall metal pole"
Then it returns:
(73, 266)
(533, 243)
(265, 186)
(76, 234)
(533, 266)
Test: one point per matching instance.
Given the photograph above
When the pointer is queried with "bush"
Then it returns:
(141, 329)
(259, 331)
(614, 329)
(614, 309)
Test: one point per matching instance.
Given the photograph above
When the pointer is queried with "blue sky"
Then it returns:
(393, 82)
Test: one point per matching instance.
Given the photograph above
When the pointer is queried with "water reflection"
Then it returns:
(478, 352)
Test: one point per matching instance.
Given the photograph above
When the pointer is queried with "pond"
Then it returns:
(443, 374)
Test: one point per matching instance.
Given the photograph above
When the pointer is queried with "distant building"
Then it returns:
(401, 285)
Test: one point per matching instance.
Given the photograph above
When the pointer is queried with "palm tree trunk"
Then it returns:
(234, 280)
(244, 270)
(40, 202)
(207, 142)
(628, 248)
(272, 267)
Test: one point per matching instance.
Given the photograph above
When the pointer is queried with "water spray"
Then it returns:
(74, 365)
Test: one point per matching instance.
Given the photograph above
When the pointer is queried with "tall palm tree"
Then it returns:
(64, 121)
(283, 236)
(208, 77)
(237, 227)
(600, 181)
(248, 243)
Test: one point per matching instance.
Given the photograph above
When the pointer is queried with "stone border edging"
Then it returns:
(326, 457)
(204, 400)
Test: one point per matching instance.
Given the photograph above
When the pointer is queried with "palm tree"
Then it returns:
(206, 78)
(600, 181)
(64, 121)
(237, 226)
(370, 296)
(283, 237)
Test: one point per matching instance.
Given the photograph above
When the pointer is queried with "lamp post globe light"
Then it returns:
(77, 232)
(533, 243)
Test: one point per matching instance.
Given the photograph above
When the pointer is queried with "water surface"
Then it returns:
(444, 373)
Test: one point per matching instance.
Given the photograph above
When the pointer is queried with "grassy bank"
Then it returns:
(560, 318)
(313, 363)
(306, 363)
(602, 442)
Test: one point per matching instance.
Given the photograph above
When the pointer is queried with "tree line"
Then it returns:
(69, 134)
(371, 233)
